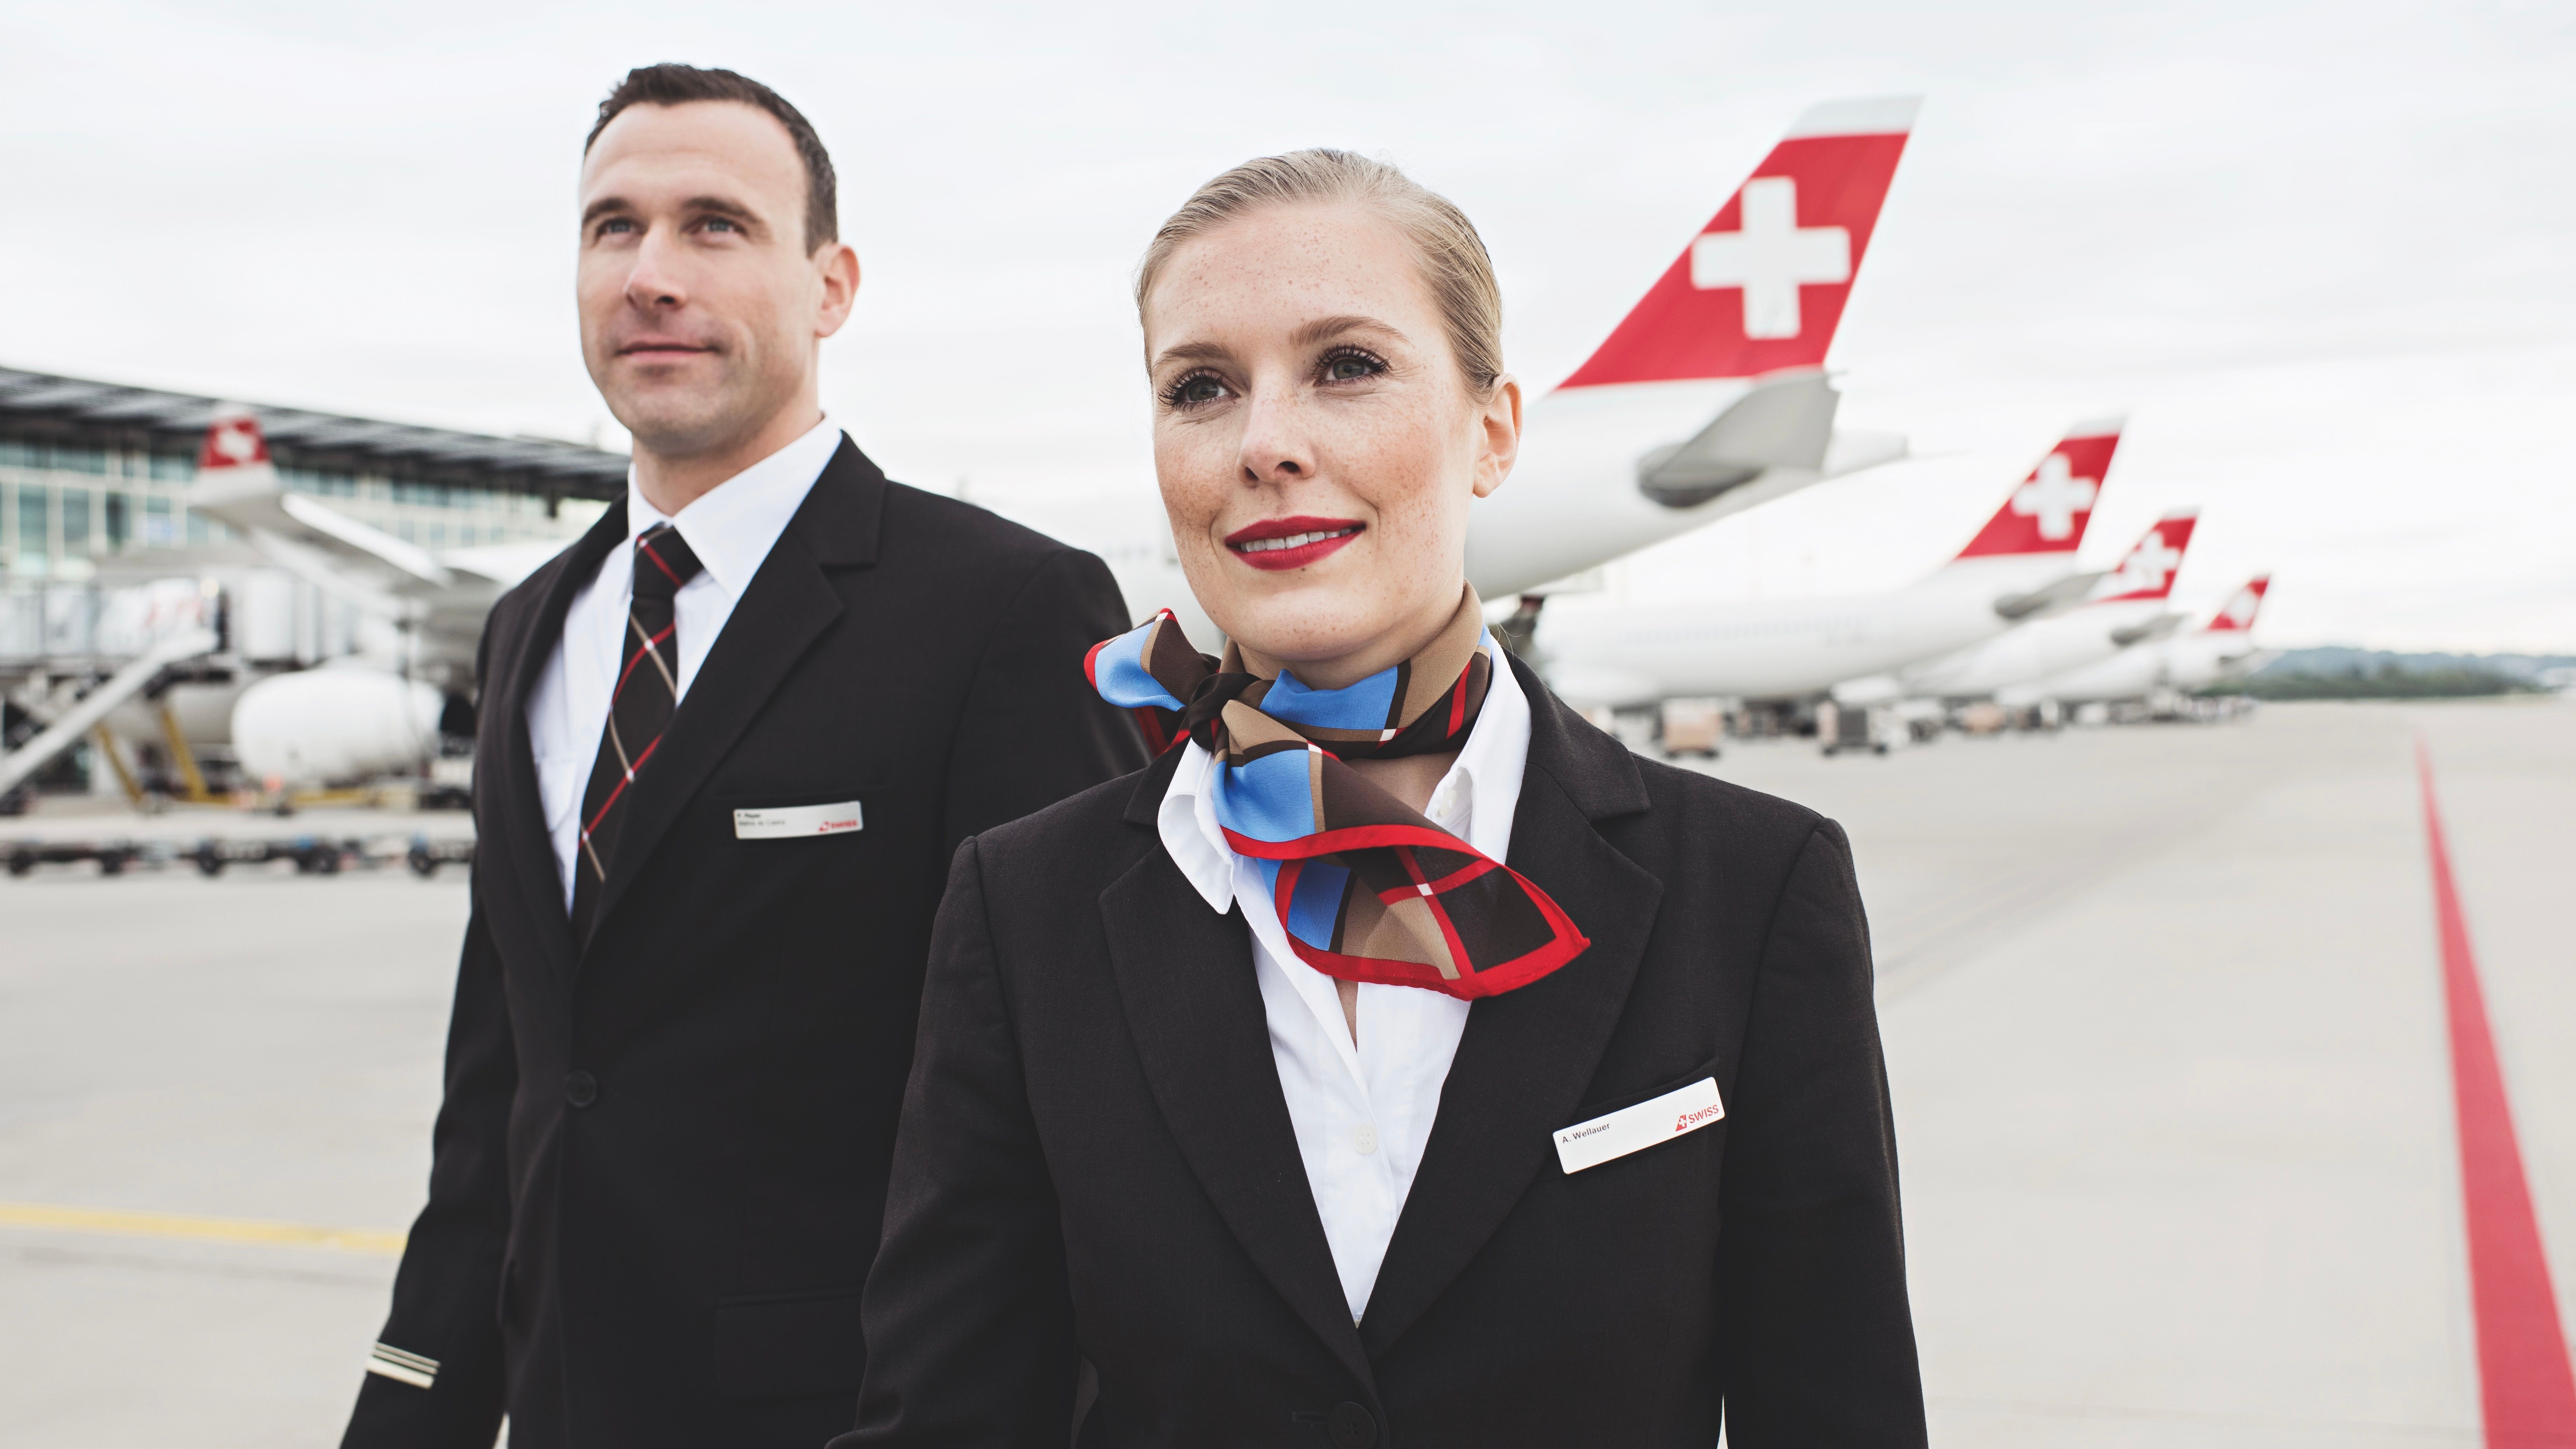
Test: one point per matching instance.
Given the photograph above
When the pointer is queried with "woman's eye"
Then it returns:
(1195, 390)
(1351, 367)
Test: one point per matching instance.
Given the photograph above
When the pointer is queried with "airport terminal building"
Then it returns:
(90, 471)
(99, 544)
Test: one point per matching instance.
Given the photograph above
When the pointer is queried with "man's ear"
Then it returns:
(838, 262)
(1500, 425)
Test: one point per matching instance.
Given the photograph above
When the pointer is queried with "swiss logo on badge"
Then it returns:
(791, 822)
(1634, 1129)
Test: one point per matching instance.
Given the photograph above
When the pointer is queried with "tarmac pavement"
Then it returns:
(2162, 1009)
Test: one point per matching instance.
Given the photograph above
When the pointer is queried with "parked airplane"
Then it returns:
(364, 715)
(2020, 566)
(2127, 606)
(438, 598)
(1708, 398)
(2219, 649)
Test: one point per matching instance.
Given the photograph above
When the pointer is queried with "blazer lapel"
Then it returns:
(789, 604)
(1185, 978)
(1527, 1056)
(527, 871)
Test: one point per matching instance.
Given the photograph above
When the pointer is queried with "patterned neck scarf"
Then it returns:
(1366, 888)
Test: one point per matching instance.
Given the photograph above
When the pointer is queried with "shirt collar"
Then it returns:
(1486, 775)
(732, 526)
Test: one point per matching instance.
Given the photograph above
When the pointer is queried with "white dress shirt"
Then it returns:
(1362, 1112)
(731, 528)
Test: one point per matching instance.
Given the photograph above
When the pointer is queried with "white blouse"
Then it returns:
(1362, 1112)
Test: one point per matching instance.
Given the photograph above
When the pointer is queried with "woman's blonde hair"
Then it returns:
(1453, 257)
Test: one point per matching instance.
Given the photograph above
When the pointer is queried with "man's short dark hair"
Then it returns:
(671, 84)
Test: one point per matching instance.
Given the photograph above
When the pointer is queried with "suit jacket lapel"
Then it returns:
(1527, 1056)
(788, 605)
(1185, 978)
(526, 870)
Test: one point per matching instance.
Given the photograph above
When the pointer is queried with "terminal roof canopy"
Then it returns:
(113, 415)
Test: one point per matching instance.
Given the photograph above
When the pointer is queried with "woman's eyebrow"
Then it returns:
(1328, 327)
(1193, 352)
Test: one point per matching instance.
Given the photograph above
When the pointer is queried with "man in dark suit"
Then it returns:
(727, 744)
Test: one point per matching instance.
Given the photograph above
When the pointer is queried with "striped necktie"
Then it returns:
(648, 690)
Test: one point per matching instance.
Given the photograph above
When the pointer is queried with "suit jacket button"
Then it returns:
(1352, 1427)
(581, 1089)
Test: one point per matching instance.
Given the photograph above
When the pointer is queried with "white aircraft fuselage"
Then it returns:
(1577, 497)
(2185, 661)
(1780, 648)
(2031, 651)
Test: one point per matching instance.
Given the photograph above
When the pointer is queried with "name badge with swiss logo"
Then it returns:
(788, 822)
(1634, 1129)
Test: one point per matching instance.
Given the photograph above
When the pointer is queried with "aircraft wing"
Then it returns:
(503, 563)
(256, 502)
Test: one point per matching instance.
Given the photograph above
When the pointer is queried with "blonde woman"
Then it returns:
(1397, 1060)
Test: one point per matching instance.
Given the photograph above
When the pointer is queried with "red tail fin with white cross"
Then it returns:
(1762, 287)
(2237, 616)
(2148, 571)
(233, 440)
(2047, 511)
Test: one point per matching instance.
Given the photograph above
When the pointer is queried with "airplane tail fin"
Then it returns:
(2047, 511)
(2148, 571)
(236, 479)
(233, 441)
(1762, 287)
(2237, 616)
(238, 485)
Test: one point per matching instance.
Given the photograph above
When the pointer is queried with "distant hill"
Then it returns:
(2341, 672)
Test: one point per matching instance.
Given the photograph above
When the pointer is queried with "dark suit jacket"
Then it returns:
(1096, 1160)
(663, 1153)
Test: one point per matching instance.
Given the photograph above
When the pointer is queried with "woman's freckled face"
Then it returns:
(1316, 445)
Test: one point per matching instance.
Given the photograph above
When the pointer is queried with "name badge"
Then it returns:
(790, 821)
(1634, 1129)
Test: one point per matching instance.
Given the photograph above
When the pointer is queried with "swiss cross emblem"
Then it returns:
(1769, 256)
(233, 442)
(2148, 565)
(2054, 495)
(2240, 610)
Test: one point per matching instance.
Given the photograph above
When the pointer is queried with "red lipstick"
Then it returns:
(1278, 544)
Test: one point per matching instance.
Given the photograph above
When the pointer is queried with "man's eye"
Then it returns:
(721, 223)
(616, 226)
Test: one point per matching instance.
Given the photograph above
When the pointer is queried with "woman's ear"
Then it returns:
(1498, 426)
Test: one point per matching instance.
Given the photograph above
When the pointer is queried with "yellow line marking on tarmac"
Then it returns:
(175, 1225)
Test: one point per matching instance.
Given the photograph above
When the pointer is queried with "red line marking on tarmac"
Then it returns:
(2524, 1382)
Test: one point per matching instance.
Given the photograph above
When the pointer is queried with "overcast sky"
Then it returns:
(2321, 253)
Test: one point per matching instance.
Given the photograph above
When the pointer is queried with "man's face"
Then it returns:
(701, 310)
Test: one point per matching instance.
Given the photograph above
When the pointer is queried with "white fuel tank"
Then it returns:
(334, 726)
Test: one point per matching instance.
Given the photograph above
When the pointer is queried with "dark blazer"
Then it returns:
(1096, 1160)
(663, 1153)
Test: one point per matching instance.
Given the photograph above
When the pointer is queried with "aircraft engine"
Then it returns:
(334, 726)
